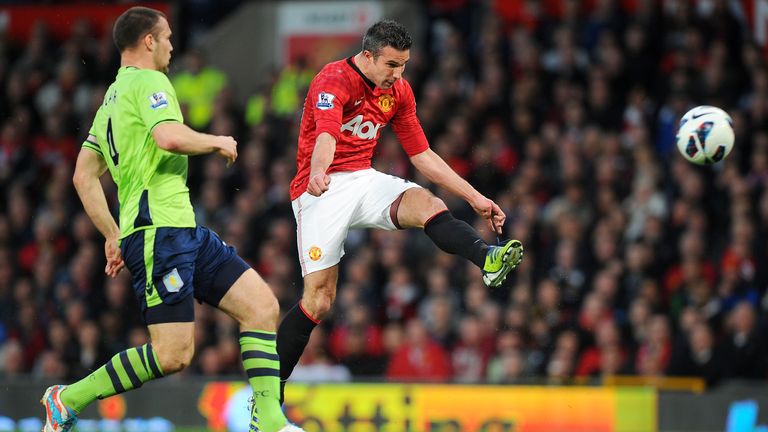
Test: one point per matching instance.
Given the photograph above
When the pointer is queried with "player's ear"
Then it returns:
(149, 41)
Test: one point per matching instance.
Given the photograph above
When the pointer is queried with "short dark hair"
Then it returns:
(134, 24)
(386, 33)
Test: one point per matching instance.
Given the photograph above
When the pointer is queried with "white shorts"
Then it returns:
(357, 199)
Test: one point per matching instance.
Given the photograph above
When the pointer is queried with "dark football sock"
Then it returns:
(456, 237)
(292, 337)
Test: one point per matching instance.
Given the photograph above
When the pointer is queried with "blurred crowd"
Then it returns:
(564, 112)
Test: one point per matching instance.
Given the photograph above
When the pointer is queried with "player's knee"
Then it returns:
(319, 304)
(432, 206)
(262, 313)
(180, 361)
(427, 202)
(435, 205)
(271, 308)
(176, 358)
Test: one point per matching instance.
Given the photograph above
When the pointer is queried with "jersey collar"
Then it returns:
(352, 64)
(126, 68)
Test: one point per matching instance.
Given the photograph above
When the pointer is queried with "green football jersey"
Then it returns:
(151, 182)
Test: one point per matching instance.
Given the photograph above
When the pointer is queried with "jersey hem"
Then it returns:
(144, 228)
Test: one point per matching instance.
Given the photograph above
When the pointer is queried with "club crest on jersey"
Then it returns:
(158, 100)
(325, 101)
(386, 102)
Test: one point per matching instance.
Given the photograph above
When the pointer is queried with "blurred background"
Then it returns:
(639, 267)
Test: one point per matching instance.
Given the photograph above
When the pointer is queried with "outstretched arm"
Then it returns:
(89, 168)
(434, 168)
(179, 138)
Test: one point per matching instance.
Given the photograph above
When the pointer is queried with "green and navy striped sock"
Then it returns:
(126, 371)
(262, 365)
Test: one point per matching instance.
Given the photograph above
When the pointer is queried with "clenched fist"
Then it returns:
(318, 184)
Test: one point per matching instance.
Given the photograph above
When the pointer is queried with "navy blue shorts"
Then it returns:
(185, 263)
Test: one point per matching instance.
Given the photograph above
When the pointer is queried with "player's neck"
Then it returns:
(359, 60)
(129, 58)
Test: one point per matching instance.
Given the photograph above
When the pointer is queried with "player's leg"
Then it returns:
(252, 303)
(419, 208)
(302, 318)
(171, 350)
(173, 344)
(322, 224)
(169, 316)
(225, 281)
(398, 203)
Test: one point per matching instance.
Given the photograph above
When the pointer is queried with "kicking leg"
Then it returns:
(419, 208)
(298, 323)
(252, 303)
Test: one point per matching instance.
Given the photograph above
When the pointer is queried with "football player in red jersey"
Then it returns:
(336, 189)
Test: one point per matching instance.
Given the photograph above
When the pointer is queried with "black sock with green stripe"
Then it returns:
(262, 365)
(127, 370)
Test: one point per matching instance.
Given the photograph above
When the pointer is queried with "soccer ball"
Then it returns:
(705, 135)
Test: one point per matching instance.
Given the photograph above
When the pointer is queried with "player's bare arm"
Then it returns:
(88, 169)
(434, 168)
(322, 157)
(181, 139)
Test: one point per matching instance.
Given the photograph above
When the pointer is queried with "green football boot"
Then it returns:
(500, 260)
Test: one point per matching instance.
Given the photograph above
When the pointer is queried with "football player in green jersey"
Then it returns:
(138, 135)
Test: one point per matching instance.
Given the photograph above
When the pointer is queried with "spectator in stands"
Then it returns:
(560, 367)
(356, 321)
(702, 359)
(419, 358)
(12, 354)
(361, 362)
(197, 87)
(471, 353)
(607, 344)
(745, 350)
(655, 350)
(507, 368)
(92, 352)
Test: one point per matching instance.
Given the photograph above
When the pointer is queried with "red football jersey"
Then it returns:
(344, 103)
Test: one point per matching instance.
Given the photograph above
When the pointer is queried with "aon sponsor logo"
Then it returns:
(361, 129)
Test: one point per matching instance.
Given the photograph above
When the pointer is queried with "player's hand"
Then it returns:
(490, 211)
(115, 261)
(318, 184)
(227, 148)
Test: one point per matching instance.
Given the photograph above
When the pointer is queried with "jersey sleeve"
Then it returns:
(89, 143)
(327, 96)
(157, 100)
(406, 125)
